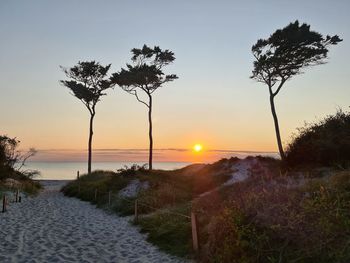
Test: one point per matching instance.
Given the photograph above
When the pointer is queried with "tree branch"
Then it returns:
(134, 92)
(283, 80)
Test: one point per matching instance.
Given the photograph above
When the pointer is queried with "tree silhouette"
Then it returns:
(13, 160)
(283, 55)
(88, 83)
(145, 74)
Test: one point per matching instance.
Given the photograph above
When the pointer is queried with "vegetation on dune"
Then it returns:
(283, 224)
(169, 194)
(325, 143)
(168, 231)
(13, 174)
(273, 216)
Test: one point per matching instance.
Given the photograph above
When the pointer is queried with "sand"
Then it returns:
(240, 171)
(55, 228)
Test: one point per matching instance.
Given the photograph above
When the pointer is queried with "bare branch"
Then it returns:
(134, 92)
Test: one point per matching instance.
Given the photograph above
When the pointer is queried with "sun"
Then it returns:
(197, 147)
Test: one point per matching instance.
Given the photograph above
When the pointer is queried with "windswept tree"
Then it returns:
(285, 54)
(88, 82)
(146, 75)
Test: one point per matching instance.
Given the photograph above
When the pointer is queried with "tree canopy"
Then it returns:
(88, 82)
(287, 51)
(146, 71)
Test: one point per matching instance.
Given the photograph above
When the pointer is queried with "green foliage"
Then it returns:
(271, 217)
(324, 143)
(231, 238)
(277, 223)
(170, 232)
(168, 191)
(132, 170)
(104, 181)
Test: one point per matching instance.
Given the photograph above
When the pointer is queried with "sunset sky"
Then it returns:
(214, 102)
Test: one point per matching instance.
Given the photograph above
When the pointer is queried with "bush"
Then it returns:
(170, 232)
(282, 224)
(12, 162)
(132, 170)
(326, 143)
(231, 238)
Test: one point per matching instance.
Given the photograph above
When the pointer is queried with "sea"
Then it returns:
(68, 170)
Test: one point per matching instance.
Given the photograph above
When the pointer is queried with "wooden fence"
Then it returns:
(6, 200)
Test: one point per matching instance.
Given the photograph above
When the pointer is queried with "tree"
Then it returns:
(88, 83)
(285, 54)
(13, 160)
(145, 74)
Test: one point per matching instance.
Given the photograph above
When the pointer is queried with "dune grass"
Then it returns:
(169, 193)
(274, 216)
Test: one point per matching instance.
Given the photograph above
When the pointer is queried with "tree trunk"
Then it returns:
(91, 132)
(277, 129)
(150, 157)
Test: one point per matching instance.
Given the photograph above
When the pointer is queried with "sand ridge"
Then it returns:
(55, 228)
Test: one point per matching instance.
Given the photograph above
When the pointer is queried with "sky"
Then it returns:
(214, 102)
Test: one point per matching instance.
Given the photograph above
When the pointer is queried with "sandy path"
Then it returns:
(55, 228)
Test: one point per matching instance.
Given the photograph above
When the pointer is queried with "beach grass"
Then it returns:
(274, 214)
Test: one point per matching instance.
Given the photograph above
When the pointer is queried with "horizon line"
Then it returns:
(157, 149)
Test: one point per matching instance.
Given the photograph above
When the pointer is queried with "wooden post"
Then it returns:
(194, 232)
(136, 216)
(77, 175)
(4, 204)
(96, 194)
(109, 198)
(19, 199)
(17, 192)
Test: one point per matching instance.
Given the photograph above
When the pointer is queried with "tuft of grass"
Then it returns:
(169, 231)
(26, 185)
(104, 181)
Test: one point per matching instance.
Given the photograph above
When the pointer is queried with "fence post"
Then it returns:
(136, 216)
(194, 232)
(96, 194)
(17, 195)
(77, 175)
(4, 204)
(109, 198)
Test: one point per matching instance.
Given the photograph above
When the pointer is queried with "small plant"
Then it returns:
(132, 170)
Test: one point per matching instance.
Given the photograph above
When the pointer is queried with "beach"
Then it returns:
(53, 228)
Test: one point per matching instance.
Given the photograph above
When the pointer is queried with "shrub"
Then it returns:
(132, 170)
(325, 143)
(282, 224)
